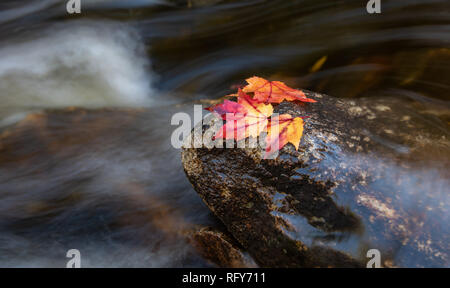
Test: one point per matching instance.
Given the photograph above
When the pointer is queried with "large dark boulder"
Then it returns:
(369, 174)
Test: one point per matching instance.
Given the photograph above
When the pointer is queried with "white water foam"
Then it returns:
(87, 64)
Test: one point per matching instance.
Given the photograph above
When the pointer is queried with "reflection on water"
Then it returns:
(61, 186)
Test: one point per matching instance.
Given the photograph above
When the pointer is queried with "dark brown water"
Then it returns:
(120, 195)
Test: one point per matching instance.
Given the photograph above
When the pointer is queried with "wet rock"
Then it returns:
(369, 174)
(220, 249)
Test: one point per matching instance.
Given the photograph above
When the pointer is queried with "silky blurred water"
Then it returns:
(157, 54)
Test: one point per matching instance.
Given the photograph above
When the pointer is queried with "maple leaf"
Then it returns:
(249, 117)
(283, 129)
(244, 118)
(273, 91)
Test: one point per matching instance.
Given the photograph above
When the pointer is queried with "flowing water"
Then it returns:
(119, 194)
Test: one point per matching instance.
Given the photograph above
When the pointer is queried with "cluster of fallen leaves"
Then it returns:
(252, 114)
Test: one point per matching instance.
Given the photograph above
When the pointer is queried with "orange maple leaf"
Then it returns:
(244, 118)
(252, 116)
(273, 91)
(283, 129)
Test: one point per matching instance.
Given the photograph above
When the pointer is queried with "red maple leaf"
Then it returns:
(244, 118)
(252, 116)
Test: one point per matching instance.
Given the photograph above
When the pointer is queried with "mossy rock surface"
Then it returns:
(369, 174)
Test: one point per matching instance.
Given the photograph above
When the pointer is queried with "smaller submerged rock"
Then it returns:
(221, 249)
